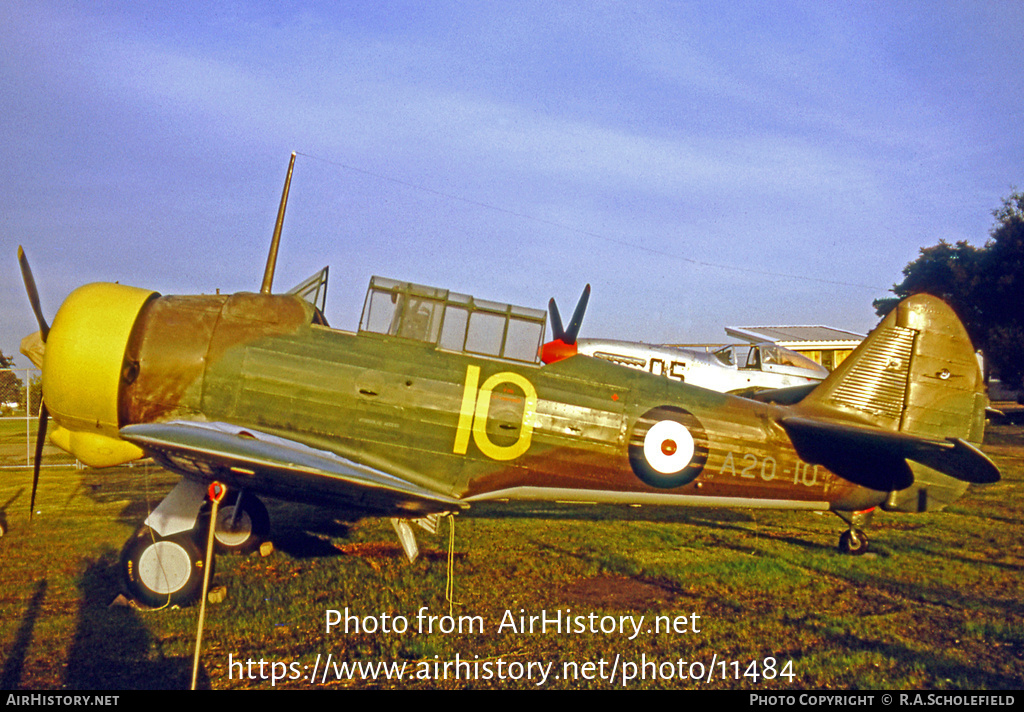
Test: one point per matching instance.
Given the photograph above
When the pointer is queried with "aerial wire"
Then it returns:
(585, 233)
(449, 589)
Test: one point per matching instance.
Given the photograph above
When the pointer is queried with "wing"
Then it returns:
(877, 458)
(281, 468)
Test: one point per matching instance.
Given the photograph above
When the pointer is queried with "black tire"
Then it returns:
(162, 572)
(853, 542)
(252, 527)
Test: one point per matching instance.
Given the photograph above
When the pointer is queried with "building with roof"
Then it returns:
(825, 345)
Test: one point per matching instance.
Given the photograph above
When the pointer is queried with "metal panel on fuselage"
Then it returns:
(418, 412)
(748, 455)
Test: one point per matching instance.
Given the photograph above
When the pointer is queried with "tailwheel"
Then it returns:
(242, 524)
(853, 542)
(162, 571)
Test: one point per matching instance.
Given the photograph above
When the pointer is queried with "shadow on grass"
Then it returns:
(10, 679)
(112, 650)
(305, 531)
(957, 671)
(3, 510)
(713, 519)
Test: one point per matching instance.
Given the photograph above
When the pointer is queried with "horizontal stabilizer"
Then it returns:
(877, 458)
(780, 396)
(267, 463)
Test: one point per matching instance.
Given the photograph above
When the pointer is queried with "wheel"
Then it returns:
(250, 530)
(162, 572)
(853, 542)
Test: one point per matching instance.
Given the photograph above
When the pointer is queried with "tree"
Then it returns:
(35, 394)
(1013, 208)
(12, 390)
(985, 286)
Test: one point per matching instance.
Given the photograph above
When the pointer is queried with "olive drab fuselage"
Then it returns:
(473, 428)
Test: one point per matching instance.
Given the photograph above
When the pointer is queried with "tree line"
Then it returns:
(984, 285)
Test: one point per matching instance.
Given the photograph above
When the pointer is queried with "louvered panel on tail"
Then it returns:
(877, 383)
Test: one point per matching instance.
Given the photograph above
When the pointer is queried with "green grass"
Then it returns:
(936, 605)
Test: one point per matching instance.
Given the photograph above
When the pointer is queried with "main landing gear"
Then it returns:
(163, 562)
(853, 541)
(163, 571)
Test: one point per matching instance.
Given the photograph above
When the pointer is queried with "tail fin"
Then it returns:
(916, 373)
(900, 413)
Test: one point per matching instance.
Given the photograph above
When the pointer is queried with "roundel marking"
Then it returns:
(668, 447)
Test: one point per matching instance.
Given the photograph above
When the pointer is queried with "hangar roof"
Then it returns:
(790, 336)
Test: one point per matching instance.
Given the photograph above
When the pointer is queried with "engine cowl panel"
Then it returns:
(83, 367)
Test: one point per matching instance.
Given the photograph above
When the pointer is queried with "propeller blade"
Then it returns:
(44, 416)
(563, 342)
(557, 332)
(577, 317)
(33, 293)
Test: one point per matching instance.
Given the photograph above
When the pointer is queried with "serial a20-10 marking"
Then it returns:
(751, 467)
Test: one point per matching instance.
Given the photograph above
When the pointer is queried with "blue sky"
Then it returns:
(700, 164)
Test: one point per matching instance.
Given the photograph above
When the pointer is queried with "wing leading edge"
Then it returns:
(281, 468)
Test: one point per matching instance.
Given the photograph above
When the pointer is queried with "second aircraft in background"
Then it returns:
(743, 369)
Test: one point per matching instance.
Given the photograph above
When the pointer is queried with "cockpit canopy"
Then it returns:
(454, 322)
(767, 357)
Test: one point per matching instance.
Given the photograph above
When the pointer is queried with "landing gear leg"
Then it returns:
(242, 524)
(853, 541)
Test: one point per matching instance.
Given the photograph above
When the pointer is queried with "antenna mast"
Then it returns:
(268, 274)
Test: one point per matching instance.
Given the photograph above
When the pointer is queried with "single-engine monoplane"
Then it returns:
(765, 371)
(441, 402)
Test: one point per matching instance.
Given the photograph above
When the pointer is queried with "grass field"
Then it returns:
(752, 600)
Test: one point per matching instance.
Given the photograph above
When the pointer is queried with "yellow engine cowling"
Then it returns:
(82, 371)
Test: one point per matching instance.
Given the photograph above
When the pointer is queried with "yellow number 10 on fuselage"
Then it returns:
(476, 402)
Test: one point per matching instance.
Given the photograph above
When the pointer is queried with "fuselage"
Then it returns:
(475, 428)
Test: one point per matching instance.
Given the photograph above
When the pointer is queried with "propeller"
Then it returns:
(33, 293)
(44, 416)
(44, 331)
(564, 343)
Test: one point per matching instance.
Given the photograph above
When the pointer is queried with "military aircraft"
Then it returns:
(440, 402)
(734, 368)
(741, 369)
